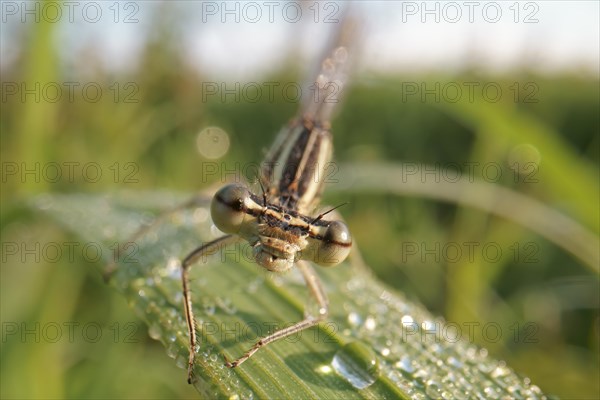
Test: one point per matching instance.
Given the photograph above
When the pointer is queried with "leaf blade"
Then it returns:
(231, 295)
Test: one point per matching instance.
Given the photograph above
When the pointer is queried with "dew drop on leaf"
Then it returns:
(181, 362)
(354, 319)
(154, 331)
(356, 363)
(172, 350)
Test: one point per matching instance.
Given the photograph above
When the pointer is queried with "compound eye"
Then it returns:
(335, 245)
(228, 208)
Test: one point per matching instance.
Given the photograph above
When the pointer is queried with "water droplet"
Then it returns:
(420, 377)
(172, 350)
(487, 366)
(171, 337)
(418, 396)
(500, 371)
(370, 323)
(405, 364)
(155, 331)
(357, 364)
(354, 319)
(429, 326)
(248, 395)
(454, 362)
(324, 369)
(460, 394)
(172, 269)
(433, 389)
(491, 393)
(535, 389)
(407, 320)
(404, 385)
(181, 362)
(471, 353)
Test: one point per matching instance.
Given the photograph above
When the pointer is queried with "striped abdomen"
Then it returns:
(294, 170)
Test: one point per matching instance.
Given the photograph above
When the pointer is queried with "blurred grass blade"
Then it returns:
(376, 343)
(571, 180)
(38, 122)
(495, 199)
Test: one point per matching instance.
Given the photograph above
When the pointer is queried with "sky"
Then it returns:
(241, 39)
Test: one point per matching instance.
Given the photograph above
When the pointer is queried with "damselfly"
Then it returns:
(277, 223)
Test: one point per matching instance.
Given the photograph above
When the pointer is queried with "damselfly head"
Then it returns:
(278, 237)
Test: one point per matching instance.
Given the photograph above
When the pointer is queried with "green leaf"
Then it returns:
(375, 344)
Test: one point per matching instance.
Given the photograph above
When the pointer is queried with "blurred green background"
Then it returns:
(143, 137)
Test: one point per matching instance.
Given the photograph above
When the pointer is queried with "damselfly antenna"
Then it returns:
(327, 212)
